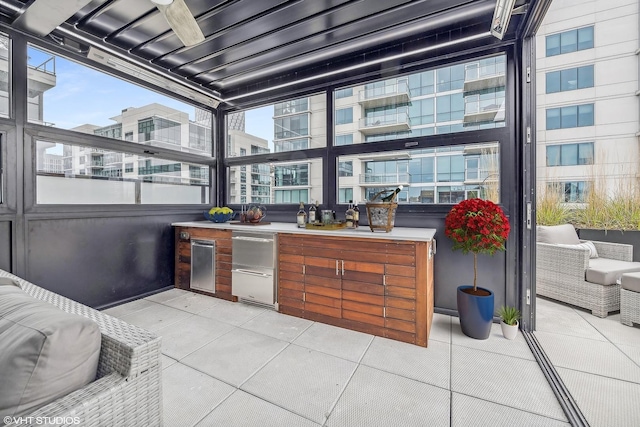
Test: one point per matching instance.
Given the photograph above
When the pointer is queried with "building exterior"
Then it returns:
(588, 113)
(462, 97)
(154, 125)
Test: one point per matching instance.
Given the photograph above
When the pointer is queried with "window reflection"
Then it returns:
(439, 175)
(74, 174)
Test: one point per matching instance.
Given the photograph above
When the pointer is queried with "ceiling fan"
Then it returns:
(181, 21)
(43, 16)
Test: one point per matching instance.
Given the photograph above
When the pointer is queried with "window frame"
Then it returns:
(500, 134)
(63, 136)
(568, 33)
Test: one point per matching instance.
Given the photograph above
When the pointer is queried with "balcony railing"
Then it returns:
(385, 180)
(482, 110)
(387, 95)
(395, 122)
(479, 76)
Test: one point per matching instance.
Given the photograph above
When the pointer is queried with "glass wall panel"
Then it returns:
(276, 182)
(68, 95)
(462, 97)
(292, 125)
(438, 175)
(74, 174)
(5, 66)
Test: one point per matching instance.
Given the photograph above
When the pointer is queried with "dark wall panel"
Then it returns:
(100, 261)
(452, 269)
(5, 245)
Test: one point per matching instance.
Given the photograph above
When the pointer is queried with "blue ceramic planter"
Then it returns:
(476, 313)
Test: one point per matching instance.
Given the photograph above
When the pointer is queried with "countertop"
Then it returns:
(397, 233)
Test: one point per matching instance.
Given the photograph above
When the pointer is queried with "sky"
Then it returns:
(82, 95)
(259, 122)
(85, 96)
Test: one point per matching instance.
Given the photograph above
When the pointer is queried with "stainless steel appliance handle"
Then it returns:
(252, 273)
(252, 239)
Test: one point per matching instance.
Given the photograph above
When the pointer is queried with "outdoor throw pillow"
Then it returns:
(46, 353)
(587, 244)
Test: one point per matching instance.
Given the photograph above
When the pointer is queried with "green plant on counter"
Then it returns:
(509, 315)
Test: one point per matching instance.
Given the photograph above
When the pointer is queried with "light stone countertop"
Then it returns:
(397, 233)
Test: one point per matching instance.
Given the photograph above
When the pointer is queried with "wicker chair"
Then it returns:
(561, 272)
(127, 390)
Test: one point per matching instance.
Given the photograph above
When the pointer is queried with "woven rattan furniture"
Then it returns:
(127, 390)
(561, 275)
(630, 299)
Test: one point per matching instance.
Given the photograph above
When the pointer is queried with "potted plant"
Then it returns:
(509, 323)
(480, 227)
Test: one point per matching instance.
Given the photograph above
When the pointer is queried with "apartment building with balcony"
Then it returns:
(588, 108)
(466, 96)
(154, 125)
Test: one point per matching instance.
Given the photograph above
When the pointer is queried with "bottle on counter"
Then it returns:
(356, 216)
(312, 214)
(318, 213)
(348, 216)
(392, 196)
(302, 216)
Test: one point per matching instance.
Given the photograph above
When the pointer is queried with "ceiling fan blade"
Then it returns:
(43, 16)
(182, 22)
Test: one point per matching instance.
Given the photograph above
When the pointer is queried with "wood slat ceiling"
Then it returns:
(249, 42)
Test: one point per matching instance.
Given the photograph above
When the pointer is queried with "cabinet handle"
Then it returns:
(337, 270)
(304, 269)
(384, 311)
(304, 296)
(343, 267)
(384, 280)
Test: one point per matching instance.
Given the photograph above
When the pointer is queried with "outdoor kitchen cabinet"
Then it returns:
(381, 286)
(222, 239)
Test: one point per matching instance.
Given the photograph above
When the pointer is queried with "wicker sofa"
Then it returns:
(127, 390)
(568, 274)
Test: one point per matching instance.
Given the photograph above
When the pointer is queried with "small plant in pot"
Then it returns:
(509, 323)
(480, 227)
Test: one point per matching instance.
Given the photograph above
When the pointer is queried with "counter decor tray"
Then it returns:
(322, 226)
(249, 223)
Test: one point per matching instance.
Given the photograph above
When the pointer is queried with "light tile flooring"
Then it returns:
(597, 359)
(230, 364)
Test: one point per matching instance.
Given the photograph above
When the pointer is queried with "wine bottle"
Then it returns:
(312, 214)
(301, 216)
(318, 213)
(356, 216)
(392, 196)
(349, 215)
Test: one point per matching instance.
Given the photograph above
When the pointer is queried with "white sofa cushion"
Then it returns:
(606, 271)
(46, 352)
(564, 234)
(631, 282)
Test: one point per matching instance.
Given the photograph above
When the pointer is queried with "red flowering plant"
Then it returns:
(478, 226)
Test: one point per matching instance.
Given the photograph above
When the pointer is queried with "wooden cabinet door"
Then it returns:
(290, 275)
(322, 279)
(400, 291)
(363, 285)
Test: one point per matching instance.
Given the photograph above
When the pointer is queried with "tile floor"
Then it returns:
(597, 359)
(230, 364)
